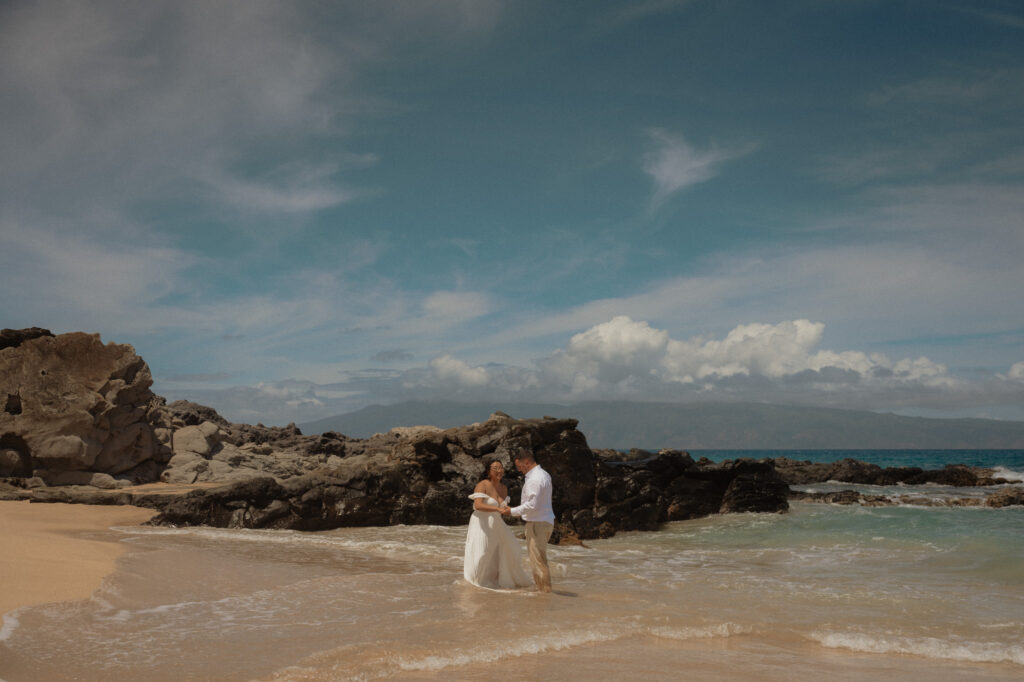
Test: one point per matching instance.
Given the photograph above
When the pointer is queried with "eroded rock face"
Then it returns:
(74, 404)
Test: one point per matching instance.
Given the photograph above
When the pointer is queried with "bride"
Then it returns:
(493, 556)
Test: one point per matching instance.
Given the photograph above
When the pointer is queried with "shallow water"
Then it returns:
(894, 592)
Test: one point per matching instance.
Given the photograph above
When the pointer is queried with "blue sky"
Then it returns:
(293, 210)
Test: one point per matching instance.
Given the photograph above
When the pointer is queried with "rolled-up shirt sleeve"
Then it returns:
(528, 500)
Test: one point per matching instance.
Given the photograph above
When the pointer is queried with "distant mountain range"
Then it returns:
(702, 426)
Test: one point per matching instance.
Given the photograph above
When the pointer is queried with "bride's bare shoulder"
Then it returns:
(482, 487)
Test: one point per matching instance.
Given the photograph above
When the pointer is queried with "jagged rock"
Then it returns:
(425, 478)
(75, 404)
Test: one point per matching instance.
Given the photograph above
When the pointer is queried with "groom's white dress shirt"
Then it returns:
(536, 498)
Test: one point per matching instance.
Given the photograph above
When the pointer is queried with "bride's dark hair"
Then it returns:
(487, 468)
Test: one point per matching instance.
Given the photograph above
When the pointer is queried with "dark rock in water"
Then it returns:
(846, 497)
(1009, 496)
(255, 503)
(853, 471)
(756, 492)
(956, 475)
(672, 487)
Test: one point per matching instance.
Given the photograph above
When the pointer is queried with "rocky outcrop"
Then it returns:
(73, 407)
(424, 477)
(795, 472)
(411, 476)
(641, 494)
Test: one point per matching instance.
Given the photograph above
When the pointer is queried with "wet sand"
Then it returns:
(58, 552)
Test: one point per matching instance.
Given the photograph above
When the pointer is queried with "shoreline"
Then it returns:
(58, 552)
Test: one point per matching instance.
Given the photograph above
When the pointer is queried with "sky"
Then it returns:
(292, 210)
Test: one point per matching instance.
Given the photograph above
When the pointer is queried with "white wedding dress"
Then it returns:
(493, 556)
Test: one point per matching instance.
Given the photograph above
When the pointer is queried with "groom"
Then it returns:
(535, 509)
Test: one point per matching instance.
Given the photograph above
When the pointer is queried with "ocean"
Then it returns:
(901, 592)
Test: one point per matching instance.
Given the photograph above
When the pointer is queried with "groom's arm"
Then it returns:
(528, 499)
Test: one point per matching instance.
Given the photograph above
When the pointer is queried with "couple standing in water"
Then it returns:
(492, 557)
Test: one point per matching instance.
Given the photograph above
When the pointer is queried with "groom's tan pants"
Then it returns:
(537, 535)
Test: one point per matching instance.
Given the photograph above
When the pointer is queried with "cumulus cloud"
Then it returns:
(622, 356)
(625, 358)
(1016, 371)
(454, 372)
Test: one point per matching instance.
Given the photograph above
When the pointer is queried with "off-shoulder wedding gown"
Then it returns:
(493, 556)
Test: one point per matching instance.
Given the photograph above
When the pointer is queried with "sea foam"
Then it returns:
(929, 647)
(1008, 474)
(10, 624)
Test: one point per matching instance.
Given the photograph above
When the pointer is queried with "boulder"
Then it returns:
(74, 404)
(202, 439)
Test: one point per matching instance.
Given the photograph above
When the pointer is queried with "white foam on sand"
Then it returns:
(10, 624)
(928, 647)
(564, 640)
(708, 632)
(400, 548)
(520, 647)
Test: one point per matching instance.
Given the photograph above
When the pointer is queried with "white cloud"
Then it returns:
(454, 372)
(674, 164)
(289, 192)
(1016, 371)
(623, 356)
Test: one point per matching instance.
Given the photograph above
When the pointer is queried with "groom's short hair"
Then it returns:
(526, 455)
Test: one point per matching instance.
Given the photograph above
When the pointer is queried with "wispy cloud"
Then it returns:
(1000, 13)
(675, 164)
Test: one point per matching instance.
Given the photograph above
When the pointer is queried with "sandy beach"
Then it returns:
(58, 552)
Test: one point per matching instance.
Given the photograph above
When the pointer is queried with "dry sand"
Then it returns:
(58, 552)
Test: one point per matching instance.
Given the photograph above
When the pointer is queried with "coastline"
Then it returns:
(58, 552)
